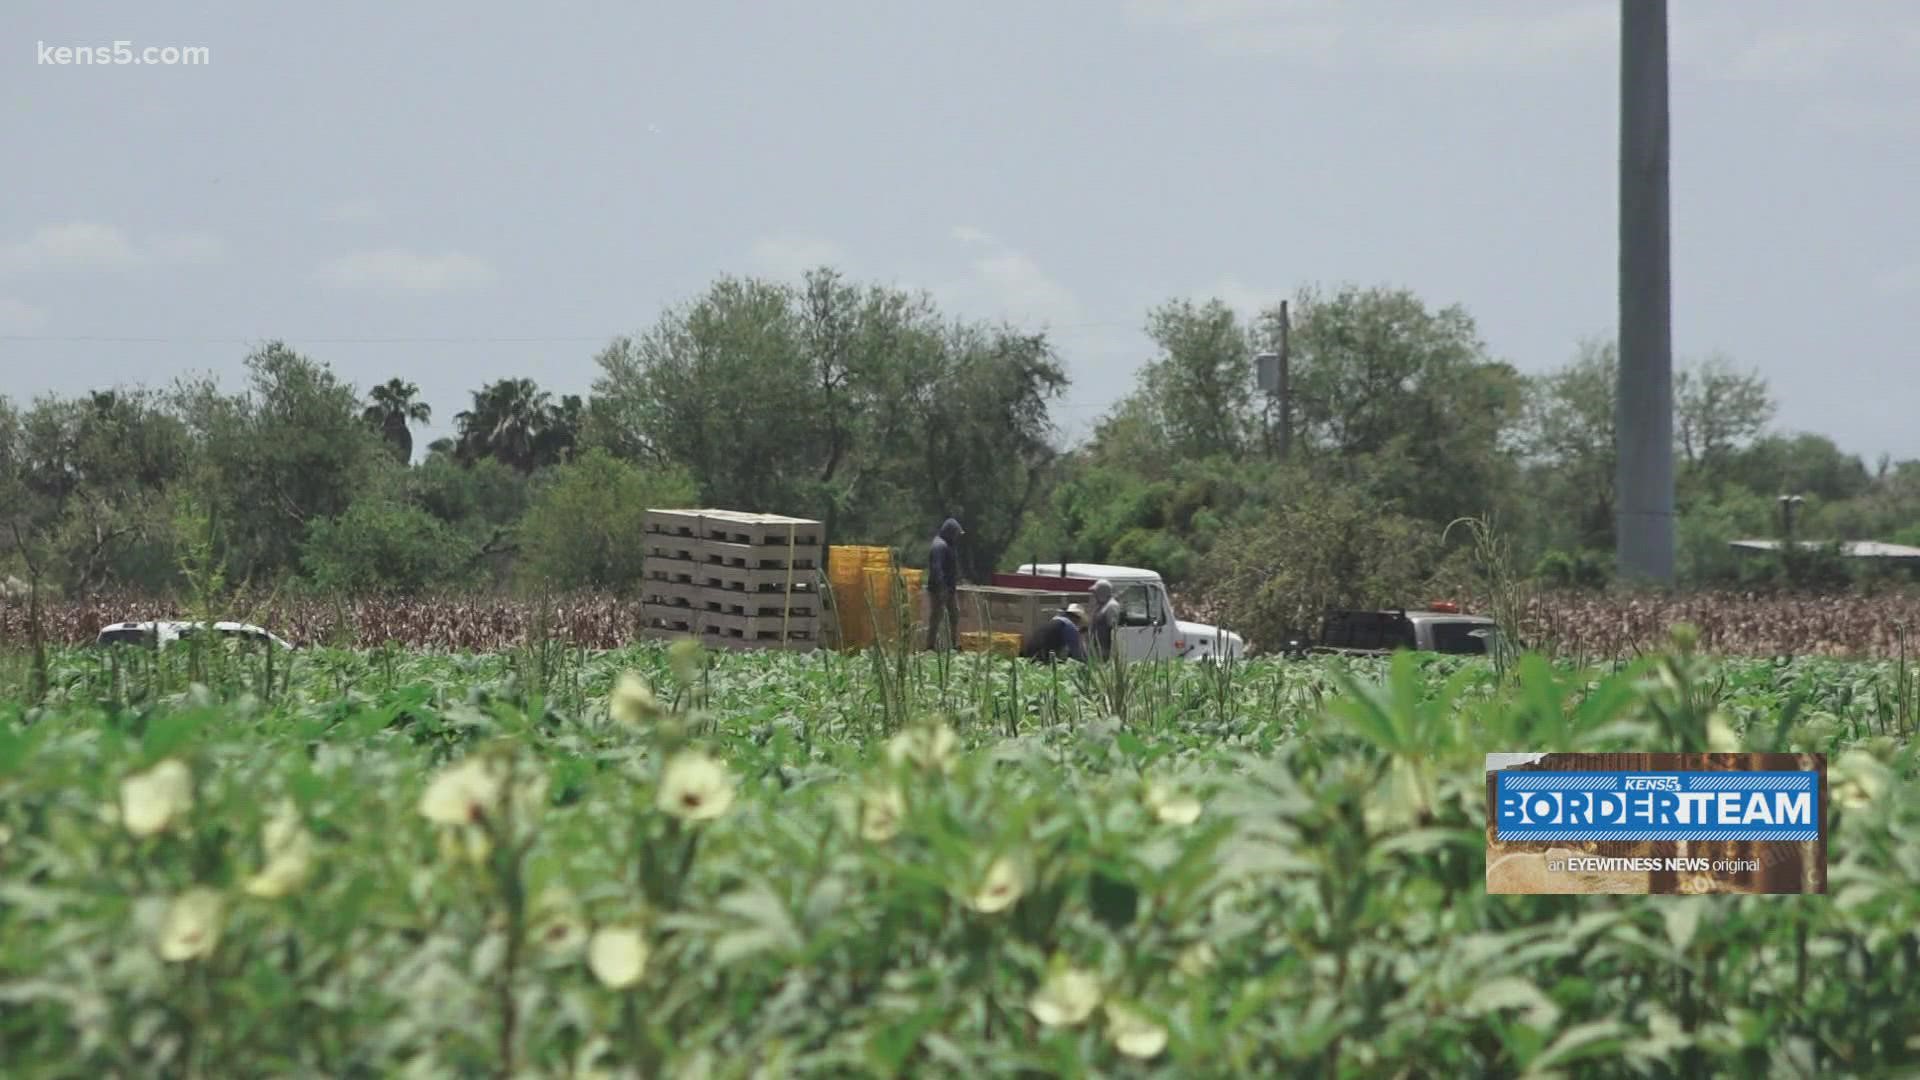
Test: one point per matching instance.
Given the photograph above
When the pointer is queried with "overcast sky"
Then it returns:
(504, 187)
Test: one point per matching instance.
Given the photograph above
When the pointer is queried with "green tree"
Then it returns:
(586, 526)
(290, 451)
(1716, 412)
(723, 386)
(860, 406)
(1800, 464)
(985, 438)
(1317, 546)
(1201, 383)
(1568, 439)
(378, 546)
(97, 467)
(392, 410)
(1389, 393)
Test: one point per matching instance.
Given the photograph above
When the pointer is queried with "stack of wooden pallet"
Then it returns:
(732, 579)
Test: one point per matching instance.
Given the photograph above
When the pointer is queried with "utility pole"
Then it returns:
(1271, 369)
(1643, 400)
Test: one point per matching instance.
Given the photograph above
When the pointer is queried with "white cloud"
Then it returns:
(790, 256)
(1246, 300)
(400, 270)
(354, 210)
(1005, 283)
(18, 316)
(92, 245)
(80, 245)
(1025, 291)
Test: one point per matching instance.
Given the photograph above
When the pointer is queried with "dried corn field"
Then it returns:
(1580, 625)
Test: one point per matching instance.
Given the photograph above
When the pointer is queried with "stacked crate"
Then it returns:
(733, 580)
(866, 587)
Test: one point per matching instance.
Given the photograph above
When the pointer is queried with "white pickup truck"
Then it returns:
(1149, 629)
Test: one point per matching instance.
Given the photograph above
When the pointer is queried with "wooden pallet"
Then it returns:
(736, 527)
(760, 628)
(686, 553)
(716, 641)
(671, 596)
(755, 557)
(762, 582)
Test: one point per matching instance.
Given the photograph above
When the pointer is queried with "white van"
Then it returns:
(1149, 629)
(168, 632)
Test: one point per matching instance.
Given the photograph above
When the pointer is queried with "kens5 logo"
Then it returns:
(1653, 783)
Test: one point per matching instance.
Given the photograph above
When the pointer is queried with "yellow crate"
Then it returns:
(999, 643)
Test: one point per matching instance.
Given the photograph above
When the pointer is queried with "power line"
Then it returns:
(98, 338)
(553, 339)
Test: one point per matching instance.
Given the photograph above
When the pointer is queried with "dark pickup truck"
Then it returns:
(1374, 632)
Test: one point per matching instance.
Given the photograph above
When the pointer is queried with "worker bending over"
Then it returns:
(1059, 638)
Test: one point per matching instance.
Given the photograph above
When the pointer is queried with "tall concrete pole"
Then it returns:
(1643, 400)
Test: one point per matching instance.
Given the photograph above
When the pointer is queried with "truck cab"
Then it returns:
(1149, 628)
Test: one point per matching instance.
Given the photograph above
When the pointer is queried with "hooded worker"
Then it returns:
(943, 583)
(1060, 638)
(1106, 616)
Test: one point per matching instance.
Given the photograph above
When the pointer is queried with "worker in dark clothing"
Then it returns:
(1059, 639)
(943, 584)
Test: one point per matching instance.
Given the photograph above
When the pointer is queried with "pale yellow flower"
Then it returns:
(1000, 886)
(557, 926)
(1196, 959)
(684, 658)
(633, 703)
(475, 844)
(617, 955)
(561, 933)
(191, 927)
(530, 796)
(1067, 997)
(153, 800)
(880, 812)
(695, 787)
(289, 850)
(464, 793)
(1858, 779)
(1133, 1033)
(6, 835)
(930, 747)
(1172, 806)
(1720, 736)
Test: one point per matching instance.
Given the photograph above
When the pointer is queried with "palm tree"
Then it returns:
(559, 431)
(392, 411)
(505, 422)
